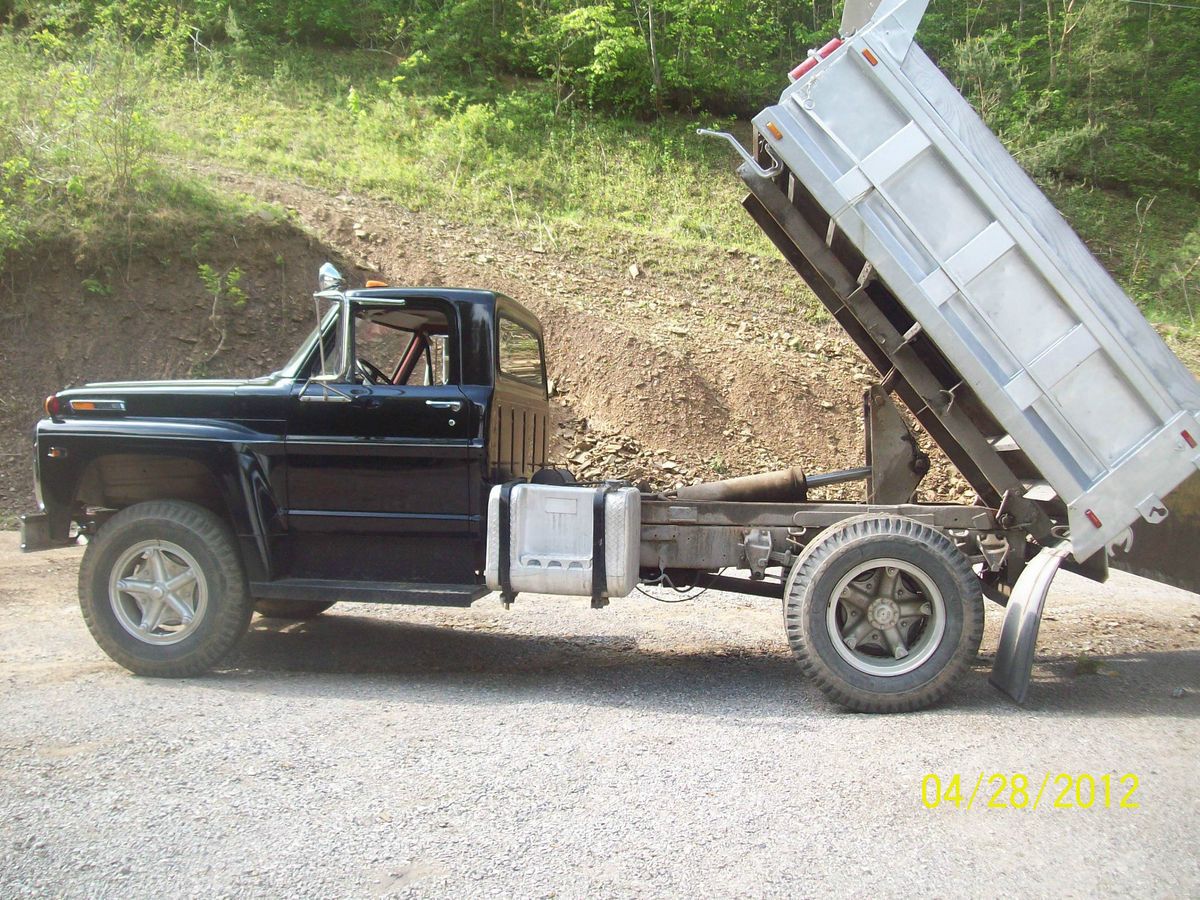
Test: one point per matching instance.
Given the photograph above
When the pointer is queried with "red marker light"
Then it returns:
(1093, 518)
(51, 405)
(1187, 436)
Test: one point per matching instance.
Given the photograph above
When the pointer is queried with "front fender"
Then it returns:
(244, 465)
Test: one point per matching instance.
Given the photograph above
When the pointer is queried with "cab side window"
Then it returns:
(521, 356)
(381, 346)
(402, 344)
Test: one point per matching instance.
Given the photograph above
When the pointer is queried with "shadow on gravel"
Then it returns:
(615, 670)
(1152, 683)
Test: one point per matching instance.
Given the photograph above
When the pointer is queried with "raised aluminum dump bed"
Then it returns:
(955, 274)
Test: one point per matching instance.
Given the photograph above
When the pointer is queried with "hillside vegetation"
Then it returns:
(571, 121)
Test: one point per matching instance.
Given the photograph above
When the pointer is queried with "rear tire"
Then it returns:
(162, 589)
(883, 613)
(291, 609)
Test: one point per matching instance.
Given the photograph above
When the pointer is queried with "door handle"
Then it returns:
(452, 405)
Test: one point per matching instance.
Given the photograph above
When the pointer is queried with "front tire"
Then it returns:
(883, 613)
(162, 589)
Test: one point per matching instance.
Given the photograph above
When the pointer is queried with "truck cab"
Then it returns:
(358, 470)
(389, 458)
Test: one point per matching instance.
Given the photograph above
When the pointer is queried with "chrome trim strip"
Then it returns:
(350, 514)
(98, 405)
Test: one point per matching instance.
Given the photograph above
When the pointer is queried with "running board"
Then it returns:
(407, 592)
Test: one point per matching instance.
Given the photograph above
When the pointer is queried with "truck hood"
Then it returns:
(181, 384)
(226, 399)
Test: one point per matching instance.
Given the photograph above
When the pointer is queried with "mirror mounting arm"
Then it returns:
(329, 393)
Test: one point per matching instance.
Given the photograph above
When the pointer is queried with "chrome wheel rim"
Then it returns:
(158, 592)
(886, 617)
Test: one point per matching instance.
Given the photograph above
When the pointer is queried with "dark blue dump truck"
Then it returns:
(401, 455)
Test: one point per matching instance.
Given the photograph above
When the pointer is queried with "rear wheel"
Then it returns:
(162, 590)
(291, 609)
(883, 613)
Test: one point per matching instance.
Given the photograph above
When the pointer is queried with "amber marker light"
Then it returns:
(775, 132)
(97, 406)
(870, 57)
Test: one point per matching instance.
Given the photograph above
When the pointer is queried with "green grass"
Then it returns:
(491, 150)
(81, 172)
(494, 151)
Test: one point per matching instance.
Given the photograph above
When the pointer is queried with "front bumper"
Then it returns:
(35, 534)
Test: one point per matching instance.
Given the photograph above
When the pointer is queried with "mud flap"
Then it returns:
(35, 534)
(1022, 618)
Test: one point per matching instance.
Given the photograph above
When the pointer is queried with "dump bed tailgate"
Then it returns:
(992, 274)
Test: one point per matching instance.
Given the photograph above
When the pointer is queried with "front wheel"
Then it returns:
(162, 590)
(883, 613)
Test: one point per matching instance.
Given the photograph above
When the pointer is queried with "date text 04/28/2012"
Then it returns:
(1061, 790)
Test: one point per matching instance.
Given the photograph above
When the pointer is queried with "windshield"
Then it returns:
(327, 311)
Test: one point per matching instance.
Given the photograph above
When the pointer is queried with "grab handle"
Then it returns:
(775, 168)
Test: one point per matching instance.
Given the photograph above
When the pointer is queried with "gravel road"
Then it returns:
(552, 750)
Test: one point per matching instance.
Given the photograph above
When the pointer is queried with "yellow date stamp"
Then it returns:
(1016, 790)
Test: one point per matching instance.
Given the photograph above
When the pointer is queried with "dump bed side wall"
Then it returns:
(996, 279)
(1058, 240)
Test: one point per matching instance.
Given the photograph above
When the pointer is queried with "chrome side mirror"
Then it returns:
(329, 278)
(331, 284)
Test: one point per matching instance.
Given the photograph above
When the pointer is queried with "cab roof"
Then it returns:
(472, 297)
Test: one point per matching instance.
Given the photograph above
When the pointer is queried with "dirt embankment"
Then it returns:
(157, 319)
(667, 372)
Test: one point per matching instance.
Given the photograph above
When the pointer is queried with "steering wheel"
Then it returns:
(370, 373)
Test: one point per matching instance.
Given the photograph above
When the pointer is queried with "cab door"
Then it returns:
(378, 480)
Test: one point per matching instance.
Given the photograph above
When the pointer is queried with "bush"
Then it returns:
(75, 134)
